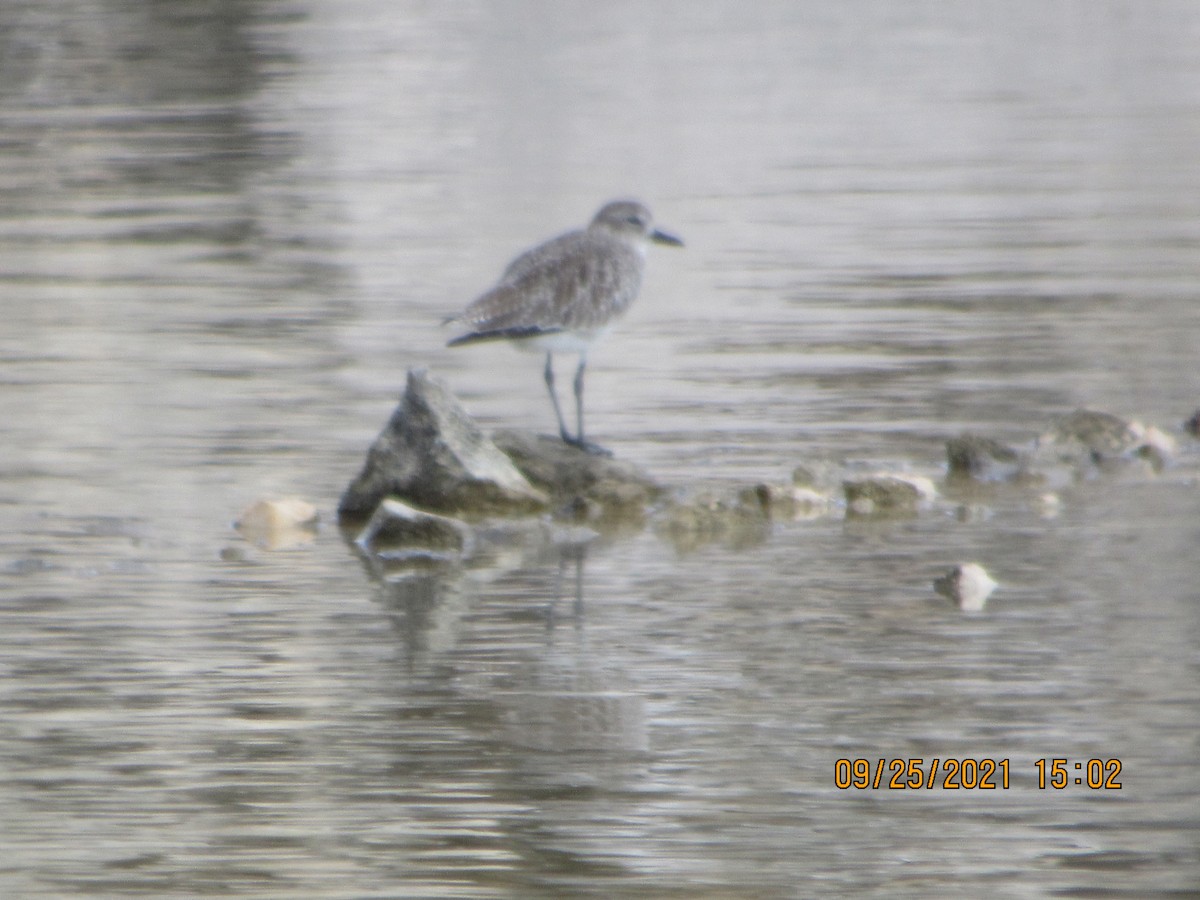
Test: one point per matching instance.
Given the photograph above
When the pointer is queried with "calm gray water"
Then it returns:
(227, 228)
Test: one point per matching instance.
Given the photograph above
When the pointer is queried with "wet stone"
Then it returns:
(432, 455)
(582, 487)
(782, 502)
(1192, 425)
(1088, 435)
(1090, 438)
(967, 584)
(737, 521)
(398, 529)
(276, 524)
(981, 458)
(887, 494)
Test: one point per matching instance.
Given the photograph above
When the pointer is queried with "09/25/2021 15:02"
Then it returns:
(971, 774)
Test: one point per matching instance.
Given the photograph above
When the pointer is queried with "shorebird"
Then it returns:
(561, 296)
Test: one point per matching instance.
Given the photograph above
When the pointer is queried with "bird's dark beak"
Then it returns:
(661, 237)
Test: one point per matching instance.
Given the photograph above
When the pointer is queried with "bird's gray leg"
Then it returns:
(579, 441)
(579, 401)
(549, 375)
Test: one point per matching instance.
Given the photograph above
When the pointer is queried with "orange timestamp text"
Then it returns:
(969, 774)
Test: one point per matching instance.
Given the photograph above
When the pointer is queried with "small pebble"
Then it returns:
(278, 524)
(967, 584)
(1192, 425)
(1049, 506)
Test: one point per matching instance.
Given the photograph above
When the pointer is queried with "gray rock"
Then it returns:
(981, 458)
(737, 521)
(1089, 438)
(786, 501)
(887, 494)
(431, 454)
(1087, 435)
(804, 476)
(583, 487)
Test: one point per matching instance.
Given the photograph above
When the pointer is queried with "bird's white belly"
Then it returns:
(561, 341)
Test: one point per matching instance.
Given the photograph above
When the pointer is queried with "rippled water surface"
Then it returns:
(228, 228)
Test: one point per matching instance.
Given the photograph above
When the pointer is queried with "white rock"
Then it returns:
(888, 493)
(1154, 444)
(967, 584)
(278, 524)
(1049, 506)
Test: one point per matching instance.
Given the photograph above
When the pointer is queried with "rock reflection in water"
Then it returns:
(555, 703)
(573, 712)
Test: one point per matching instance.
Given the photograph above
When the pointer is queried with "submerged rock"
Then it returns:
(1192, 425)
(431, 454)
(787, 501)
(967, 584)
(1048, 505)
(739, 521)
(1086, 432)
(397, 529)
(981, 458)
(1076, 444)
(1154, 446)
(1086, 437)
(886, 494)
(279, 524)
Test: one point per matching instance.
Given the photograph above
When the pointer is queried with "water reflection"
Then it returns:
(429, 598)
(543, 699)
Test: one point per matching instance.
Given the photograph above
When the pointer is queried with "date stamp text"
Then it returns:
(969, 774)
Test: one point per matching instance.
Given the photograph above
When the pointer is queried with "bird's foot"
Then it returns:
(586, 446)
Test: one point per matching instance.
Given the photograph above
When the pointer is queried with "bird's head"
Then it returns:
(631, 220)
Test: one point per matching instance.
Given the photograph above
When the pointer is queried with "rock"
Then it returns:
(432, 455)
(582, 487)
(278, 524)
(809, 503)
(793, 501)
(398, 530)
(1192, 425)
(886, 494)
(738, 521)
(804, 476)
(1049, 506)
(967, 584)
(761, 496)
(1087, 437)
(981, 458)
(1154, 446)
(1075, 444)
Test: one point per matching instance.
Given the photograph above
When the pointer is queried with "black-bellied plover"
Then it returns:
(562, 295)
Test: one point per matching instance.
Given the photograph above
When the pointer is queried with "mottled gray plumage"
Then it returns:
(563, 294)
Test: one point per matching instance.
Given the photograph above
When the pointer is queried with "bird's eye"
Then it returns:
(635, 220)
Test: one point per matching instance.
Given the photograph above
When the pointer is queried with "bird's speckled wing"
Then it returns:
(578, 281)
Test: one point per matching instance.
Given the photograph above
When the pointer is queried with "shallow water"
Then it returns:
(227, 229)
